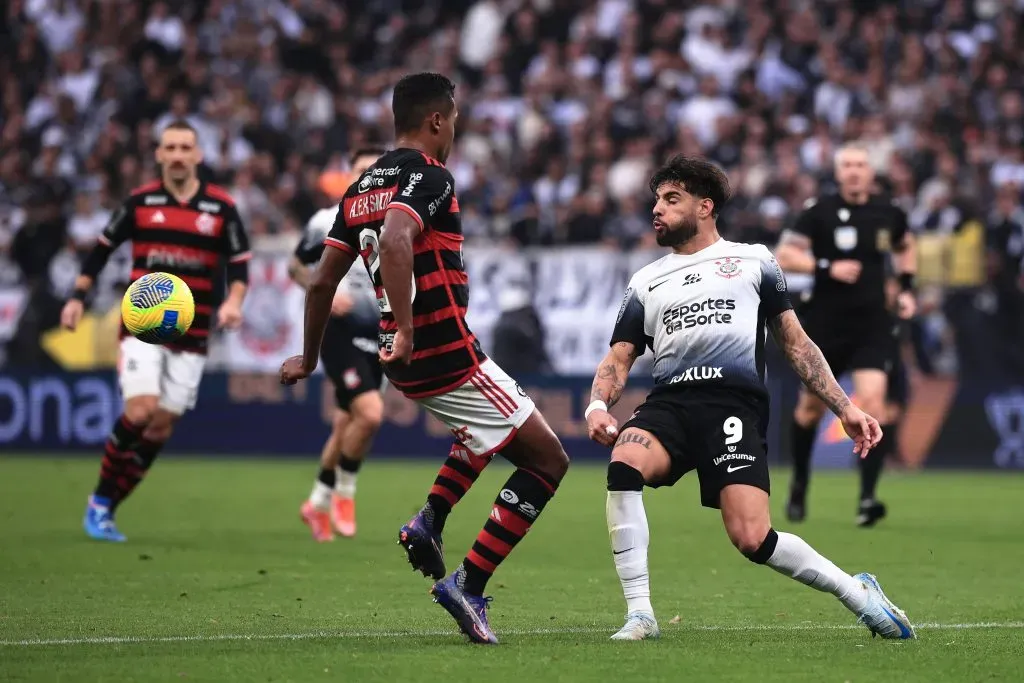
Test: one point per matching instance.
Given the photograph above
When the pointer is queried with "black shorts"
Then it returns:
(348, 362)
(719, 432)
(853, 342)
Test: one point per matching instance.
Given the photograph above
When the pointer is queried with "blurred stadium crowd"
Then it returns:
(566, 106)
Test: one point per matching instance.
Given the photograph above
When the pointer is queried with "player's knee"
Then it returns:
(558, 461)
(339, 422)
(159, 428)
(158, 431)
(873, 406)
(140, 410)
(759, 547)
(623, 476)
(808, 413)
(368, 411)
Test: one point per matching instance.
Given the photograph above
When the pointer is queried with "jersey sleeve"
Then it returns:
(774, 291)
(236, 240)
(341, 237)
(901, 227)
(311, 247)
(120, 227)
(806, 221)
(629, 324)
(423, 192)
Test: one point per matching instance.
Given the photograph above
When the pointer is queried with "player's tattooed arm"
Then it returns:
(610, 378)
(808, 361)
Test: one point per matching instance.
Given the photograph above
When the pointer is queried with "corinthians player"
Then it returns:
(349, 355)
(703, 310)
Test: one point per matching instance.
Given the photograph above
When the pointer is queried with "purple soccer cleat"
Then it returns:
(423, 546)
(469, 611)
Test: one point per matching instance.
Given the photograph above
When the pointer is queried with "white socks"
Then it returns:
(630, 536)
(796, 559)
(346, 483)
(320, 497)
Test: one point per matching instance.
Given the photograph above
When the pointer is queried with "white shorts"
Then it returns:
(153, 370)
(485, 412)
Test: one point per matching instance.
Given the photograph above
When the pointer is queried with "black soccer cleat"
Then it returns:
(423, 547)
(870, 512)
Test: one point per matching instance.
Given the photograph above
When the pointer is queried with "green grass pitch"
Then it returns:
(220, 582)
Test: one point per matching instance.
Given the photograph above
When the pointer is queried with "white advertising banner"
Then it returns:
(272, 319)
(12, 304)
(576, 292)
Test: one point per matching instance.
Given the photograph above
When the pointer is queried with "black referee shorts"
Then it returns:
(719, 432)
(352, 370)
(853, 341)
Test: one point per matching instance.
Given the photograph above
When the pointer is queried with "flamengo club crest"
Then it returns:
(205, 223)
(728, 267)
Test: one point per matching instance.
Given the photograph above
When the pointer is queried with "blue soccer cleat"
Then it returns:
(423, 546)
(99, 521)
(469, 611)
(881, 616)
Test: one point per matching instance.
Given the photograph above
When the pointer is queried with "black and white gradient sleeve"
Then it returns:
(774, 292)
(629, 325)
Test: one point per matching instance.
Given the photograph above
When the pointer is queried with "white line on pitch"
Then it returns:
(327, 635)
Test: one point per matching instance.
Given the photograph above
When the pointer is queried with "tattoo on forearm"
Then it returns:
(607, 386)
(610, 380)
(630, 436)
(808, 362)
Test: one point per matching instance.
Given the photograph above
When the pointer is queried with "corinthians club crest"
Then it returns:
(728, 267)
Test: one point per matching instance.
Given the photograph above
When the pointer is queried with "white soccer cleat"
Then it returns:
(639, 626)
(881, 616)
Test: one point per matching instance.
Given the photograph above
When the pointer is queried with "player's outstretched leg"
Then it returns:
(118, 468)
(746, 517)
(637, 457)
(541, 463)
(421, 535)
(803, 429)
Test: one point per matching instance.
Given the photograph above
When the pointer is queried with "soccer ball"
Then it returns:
(158, 308)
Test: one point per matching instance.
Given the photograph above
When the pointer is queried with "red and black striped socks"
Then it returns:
(515, 509)
(126, 459)
(458, 474)
(116, 451)
(136, 465)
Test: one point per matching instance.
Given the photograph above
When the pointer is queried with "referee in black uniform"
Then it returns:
(844, 239)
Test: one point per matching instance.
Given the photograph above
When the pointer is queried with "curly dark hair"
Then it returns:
(699, 177)
(417, 96)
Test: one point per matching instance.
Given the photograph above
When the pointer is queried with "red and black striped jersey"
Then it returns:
(445, 351)
(193, 240)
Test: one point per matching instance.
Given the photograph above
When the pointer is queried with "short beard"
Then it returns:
(680, 235)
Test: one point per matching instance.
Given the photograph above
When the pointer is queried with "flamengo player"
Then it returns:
(402, 217)
(189, 228)
(703, 310)
(349, 354)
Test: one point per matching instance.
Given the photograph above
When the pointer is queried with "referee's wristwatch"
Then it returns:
(823, 266)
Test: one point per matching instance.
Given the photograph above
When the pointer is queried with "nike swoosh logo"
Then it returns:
(656, 285)
(733, 468)
(619, 552)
